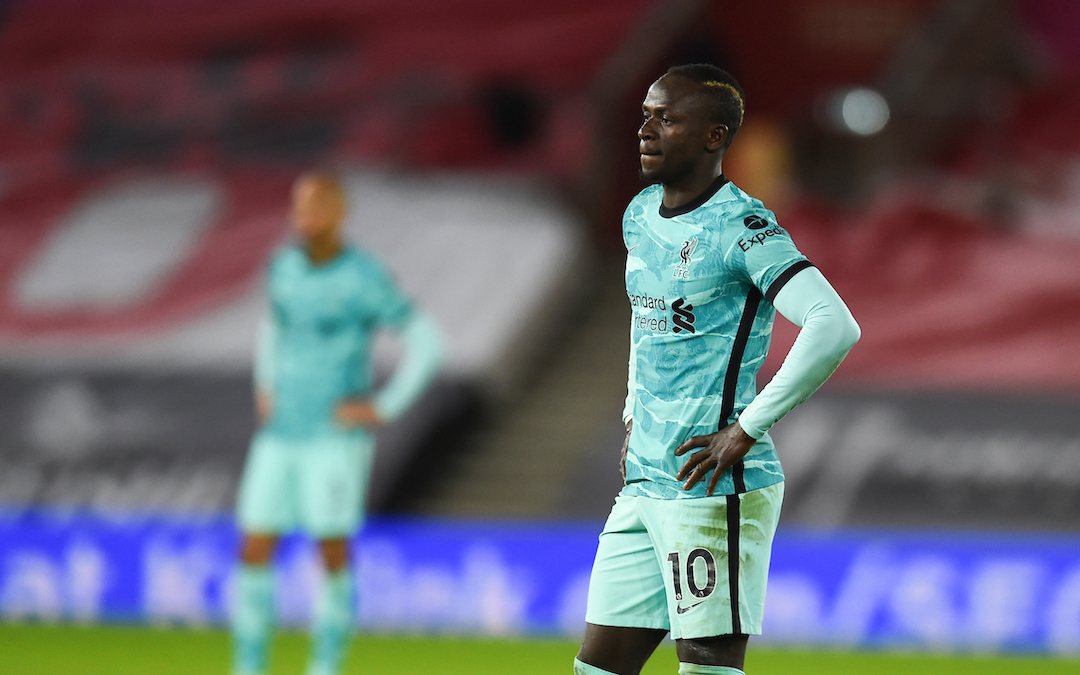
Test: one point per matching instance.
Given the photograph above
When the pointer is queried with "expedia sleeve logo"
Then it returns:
(755, 223)
(764, 230)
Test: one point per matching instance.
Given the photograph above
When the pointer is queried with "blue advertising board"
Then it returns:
(924, 590)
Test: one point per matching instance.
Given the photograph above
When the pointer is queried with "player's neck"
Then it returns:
(692, 186)
(324, 248)
(686, 191)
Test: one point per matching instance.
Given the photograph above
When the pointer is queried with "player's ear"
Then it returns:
(717, 138)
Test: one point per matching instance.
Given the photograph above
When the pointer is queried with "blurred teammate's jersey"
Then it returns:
(315, 351)
(700, 280)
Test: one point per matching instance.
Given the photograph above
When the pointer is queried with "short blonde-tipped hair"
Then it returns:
(724, 96)
(734, 92)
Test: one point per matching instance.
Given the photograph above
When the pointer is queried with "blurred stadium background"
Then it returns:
(924, 153)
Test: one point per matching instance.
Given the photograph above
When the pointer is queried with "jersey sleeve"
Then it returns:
(425, 352)
(631, 385)
(628, 229)
(630, 236)
(265, 361)
(760, 252)
(264, 366)
(827, 333)
(393, 309)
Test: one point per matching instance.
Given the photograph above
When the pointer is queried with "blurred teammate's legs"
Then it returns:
(333, 620)
(331, 488)
(264, 509)
(253, 614)
(316, 485)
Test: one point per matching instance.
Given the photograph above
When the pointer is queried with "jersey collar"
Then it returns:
(689, 206)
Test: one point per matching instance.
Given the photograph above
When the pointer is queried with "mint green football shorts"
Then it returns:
(316, 485)
(695, 567)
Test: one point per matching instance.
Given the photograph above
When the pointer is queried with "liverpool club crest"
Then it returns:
(682, 270)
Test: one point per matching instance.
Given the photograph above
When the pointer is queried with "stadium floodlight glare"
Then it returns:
(860, 111)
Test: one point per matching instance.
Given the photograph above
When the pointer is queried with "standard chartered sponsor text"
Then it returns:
(647, 302)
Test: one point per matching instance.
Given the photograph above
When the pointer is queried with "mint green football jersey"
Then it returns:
(700, 280)
(323, 319)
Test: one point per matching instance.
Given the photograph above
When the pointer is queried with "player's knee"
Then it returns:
(722, 650)
(620, 664)
(258, 549)
(335, 553)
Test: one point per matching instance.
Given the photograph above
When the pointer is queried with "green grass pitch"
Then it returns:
(94, 650)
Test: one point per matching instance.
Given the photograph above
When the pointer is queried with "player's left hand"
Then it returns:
(357, 413)
(721, 450)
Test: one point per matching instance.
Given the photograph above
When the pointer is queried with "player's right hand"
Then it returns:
(721, 450)
(625, 448)
(264, 406)
(357, 413)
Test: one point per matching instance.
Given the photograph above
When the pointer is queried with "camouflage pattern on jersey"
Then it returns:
(322, 322)
(699, 286)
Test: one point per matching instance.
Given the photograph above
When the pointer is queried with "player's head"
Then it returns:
(691, 115)
(318, 205)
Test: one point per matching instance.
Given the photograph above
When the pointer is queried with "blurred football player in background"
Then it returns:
(307, 468)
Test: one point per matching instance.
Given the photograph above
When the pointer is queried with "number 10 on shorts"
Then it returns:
(696, 589)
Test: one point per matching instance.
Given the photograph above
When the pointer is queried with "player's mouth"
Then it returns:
(650, 159)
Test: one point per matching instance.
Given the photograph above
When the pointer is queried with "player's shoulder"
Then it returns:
(650, 193)
(646, 201)
(733, 209)
(365, 266)
(734, 214)
(361, 258)
(285, 256)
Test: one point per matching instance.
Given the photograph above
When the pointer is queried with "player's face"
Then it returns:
(674, 138)
(316, 209)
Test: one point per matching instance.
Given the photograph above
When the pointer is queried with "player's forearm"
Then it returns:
(828, 332)
(424, 354)
(265, 341)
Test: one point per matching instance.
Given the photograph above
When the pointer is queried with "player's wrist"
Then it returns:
(743, 434)
(747, 425)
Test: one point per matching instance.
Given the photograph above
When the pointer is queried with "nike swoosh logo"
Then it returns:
(684, 610)
(632, 247)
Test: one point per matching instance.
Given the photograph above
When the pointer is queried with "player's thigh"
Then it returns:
(265, 501)
(626, 587)
(715, 553)
(333, 480)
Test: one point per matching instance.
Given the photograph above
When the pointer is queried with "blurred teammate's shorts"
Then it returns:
(314, 485)
(676, 564)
